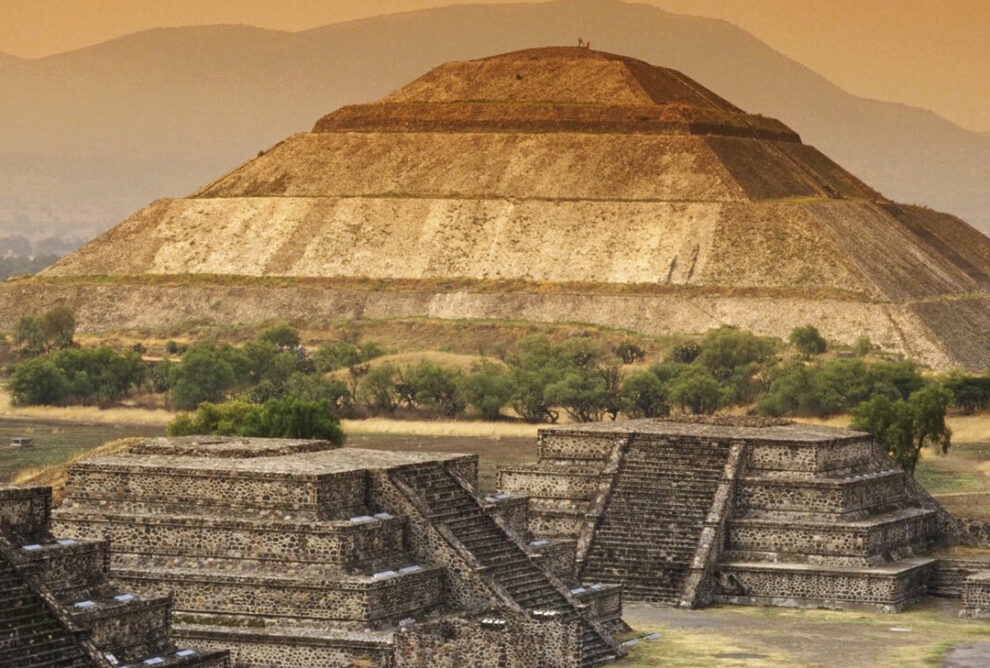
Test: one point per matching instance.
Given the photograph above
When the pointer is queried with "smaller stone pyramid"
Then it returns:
(756, 512)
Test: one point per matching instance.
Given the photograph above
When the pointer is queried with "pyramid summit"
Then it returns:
(555, 184)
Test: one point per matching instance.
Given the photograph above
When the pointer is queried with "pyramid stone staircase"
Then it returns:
(301, 553)
(501, 557)
(58, 607)
(648, 534)
(738, 510)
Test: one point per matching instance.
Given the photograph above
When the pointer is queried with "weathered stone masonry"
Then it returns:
(740, 511)
(297, 553)
(60, 610)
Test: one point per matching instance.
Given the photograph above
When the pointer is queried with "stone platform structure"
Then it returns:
(298, 553)
(57, 608)
(733, 510)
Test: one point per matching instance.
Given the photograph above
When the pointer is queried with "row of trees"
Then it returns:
(270, 386)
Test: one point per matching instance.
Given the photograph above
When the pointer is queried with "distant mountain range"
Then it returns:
(90, 135)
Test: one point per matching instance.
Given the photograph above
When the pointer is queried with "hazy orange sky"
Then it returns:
(928, 53)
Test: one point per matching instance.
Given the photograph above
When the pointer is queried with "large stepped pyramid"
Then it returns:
(291, 553)
(738, 510)
(58, 608)
(554, 184)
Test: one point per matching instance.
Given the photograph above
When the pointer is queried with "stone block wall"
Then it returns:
(24, 511)
(811, 515)
(976, 595)
(340, 542)
(488, 641)
(71, 613)
(292, 649)
(850, 498)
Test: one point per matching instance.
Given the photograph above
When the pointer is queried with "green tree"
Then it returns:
(969, 393)
(733, 357)
(205, 374)
(684, 353)
(536, 364)
(435, 387)
(906, 426)
(281, 335)
(29, 335)
(285, 417)
(59, 327)
(377, 388)
(100, 375)
(582, 352)
(799, 389)
(643, 395)
(291, 417)
(38, 381)
(228, 419)
(308, 387)
(582, 393)
(629, 352)
(695, 390)
(808, 341)
(488, 388)
(343, 354)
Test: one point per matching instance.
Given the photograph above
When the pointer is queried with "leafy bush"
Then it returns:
(684, 353)
(644, 395)
(281, 335)
(377, 388)
(583, 393)
(488, 388)
(98, 375)
(629, 352)
(38, 381)
(798, 389)
(807, 340)
(342, 354)
(733, 357)
(436, 388)
(969, 393)
(537, 364)
(310, 387)
(53, 330)
(696, 390)
(285, 417)
(906, 426)
(206, 373)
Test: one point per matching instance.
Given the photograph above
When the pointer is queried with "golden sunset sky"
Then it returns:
(933, 54)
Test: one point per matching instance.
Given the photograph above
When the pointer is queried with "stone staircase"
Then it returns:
(30, 635)
(57, 607)
(647, 537)
(502, 560)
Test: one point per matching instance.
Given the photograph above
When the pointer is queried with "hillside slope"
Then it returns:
(98, 132)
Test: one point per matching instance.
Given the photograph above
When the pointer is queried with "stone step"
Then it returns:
(116, 480)
(838, 496)
(66, 563)
(508, 565)
(887, 588)
(866, 540)
(338, 541)
(375, 598)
